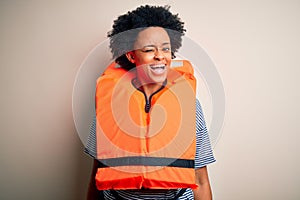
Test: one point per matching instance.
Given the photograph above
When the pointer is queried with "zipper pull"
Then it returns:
(147, 106)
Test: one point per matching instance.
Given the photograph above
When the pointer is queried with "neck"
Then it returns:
(148, 88)
(151, 88)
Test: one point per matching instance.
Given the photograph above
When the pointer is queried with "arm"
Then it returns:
(203, 192)
(92, 190)
(203, 157)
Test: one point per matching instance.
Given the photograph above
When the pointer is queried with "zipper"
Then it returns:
(147, 107)
(148, 100)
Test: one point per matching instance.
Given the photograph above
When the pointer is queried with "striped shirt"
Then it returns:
(203, 157)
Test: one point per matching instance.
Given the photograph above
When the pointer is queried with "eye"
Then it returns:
(148, 50)
(166, 49)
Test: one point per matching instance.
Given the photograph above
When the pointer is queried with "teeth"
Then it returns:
(158, 66)
(158, 69)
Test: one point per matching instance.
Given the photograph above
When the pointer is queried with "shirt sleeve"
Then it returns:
(90, 147)
(204, 154)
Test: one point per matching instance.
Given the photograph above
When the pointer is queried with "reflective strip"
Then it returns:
(176, 63)
(146, 161)
(117, 66)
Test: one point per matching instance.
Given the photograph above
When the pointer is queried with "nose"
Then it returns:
(159, 54)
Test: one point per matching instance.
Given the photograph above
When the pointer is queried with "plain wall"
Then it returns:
(254, 44)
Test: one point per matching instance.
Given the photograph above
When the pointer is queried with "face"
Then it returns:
(152, 55)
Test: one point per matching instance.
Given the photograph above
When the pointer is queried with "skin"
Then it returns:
(153, 48)
(92, 193)
(203, 192)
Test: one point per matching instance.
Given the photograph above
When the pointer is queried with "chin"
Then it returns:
(158, 80)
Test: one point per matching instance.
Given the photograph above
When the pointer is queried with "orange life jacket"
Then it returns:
(146, 143)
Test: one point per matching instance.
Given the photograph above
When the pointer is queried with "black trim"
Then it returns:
(146, 161)
(135, 82)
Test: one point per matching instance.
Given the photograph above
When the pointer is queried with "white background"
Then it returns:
(254, 44)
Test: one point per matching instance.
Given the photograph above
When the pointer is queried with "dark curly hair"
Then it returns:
(126, 28)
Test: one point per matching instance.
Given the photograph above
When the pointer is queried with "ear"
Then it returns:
(130, 56)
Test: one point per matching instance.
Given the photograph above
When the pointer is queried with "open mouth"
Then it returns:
(158, 69)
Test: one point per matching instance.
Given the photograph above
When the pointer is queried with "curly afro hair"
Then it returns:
(126, 28)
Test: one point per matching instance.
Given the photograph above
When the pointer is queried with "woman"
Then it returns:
(143, 43)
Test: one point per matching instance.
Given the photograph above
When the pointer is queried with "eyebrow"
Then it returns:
(151, 45)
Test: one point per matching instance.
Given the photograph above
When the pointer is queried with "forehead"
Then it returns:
(151, 36)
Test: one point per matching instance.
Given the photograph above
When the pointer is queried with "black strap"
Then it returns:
(146, 161)
(118, 197)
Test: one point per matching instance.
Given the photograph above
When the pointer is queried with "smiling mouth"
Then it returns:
(158, 69)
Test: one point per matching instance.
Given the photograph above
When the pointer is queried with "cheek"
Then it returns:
(142, 59)
(169, 57)
(142, 71)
